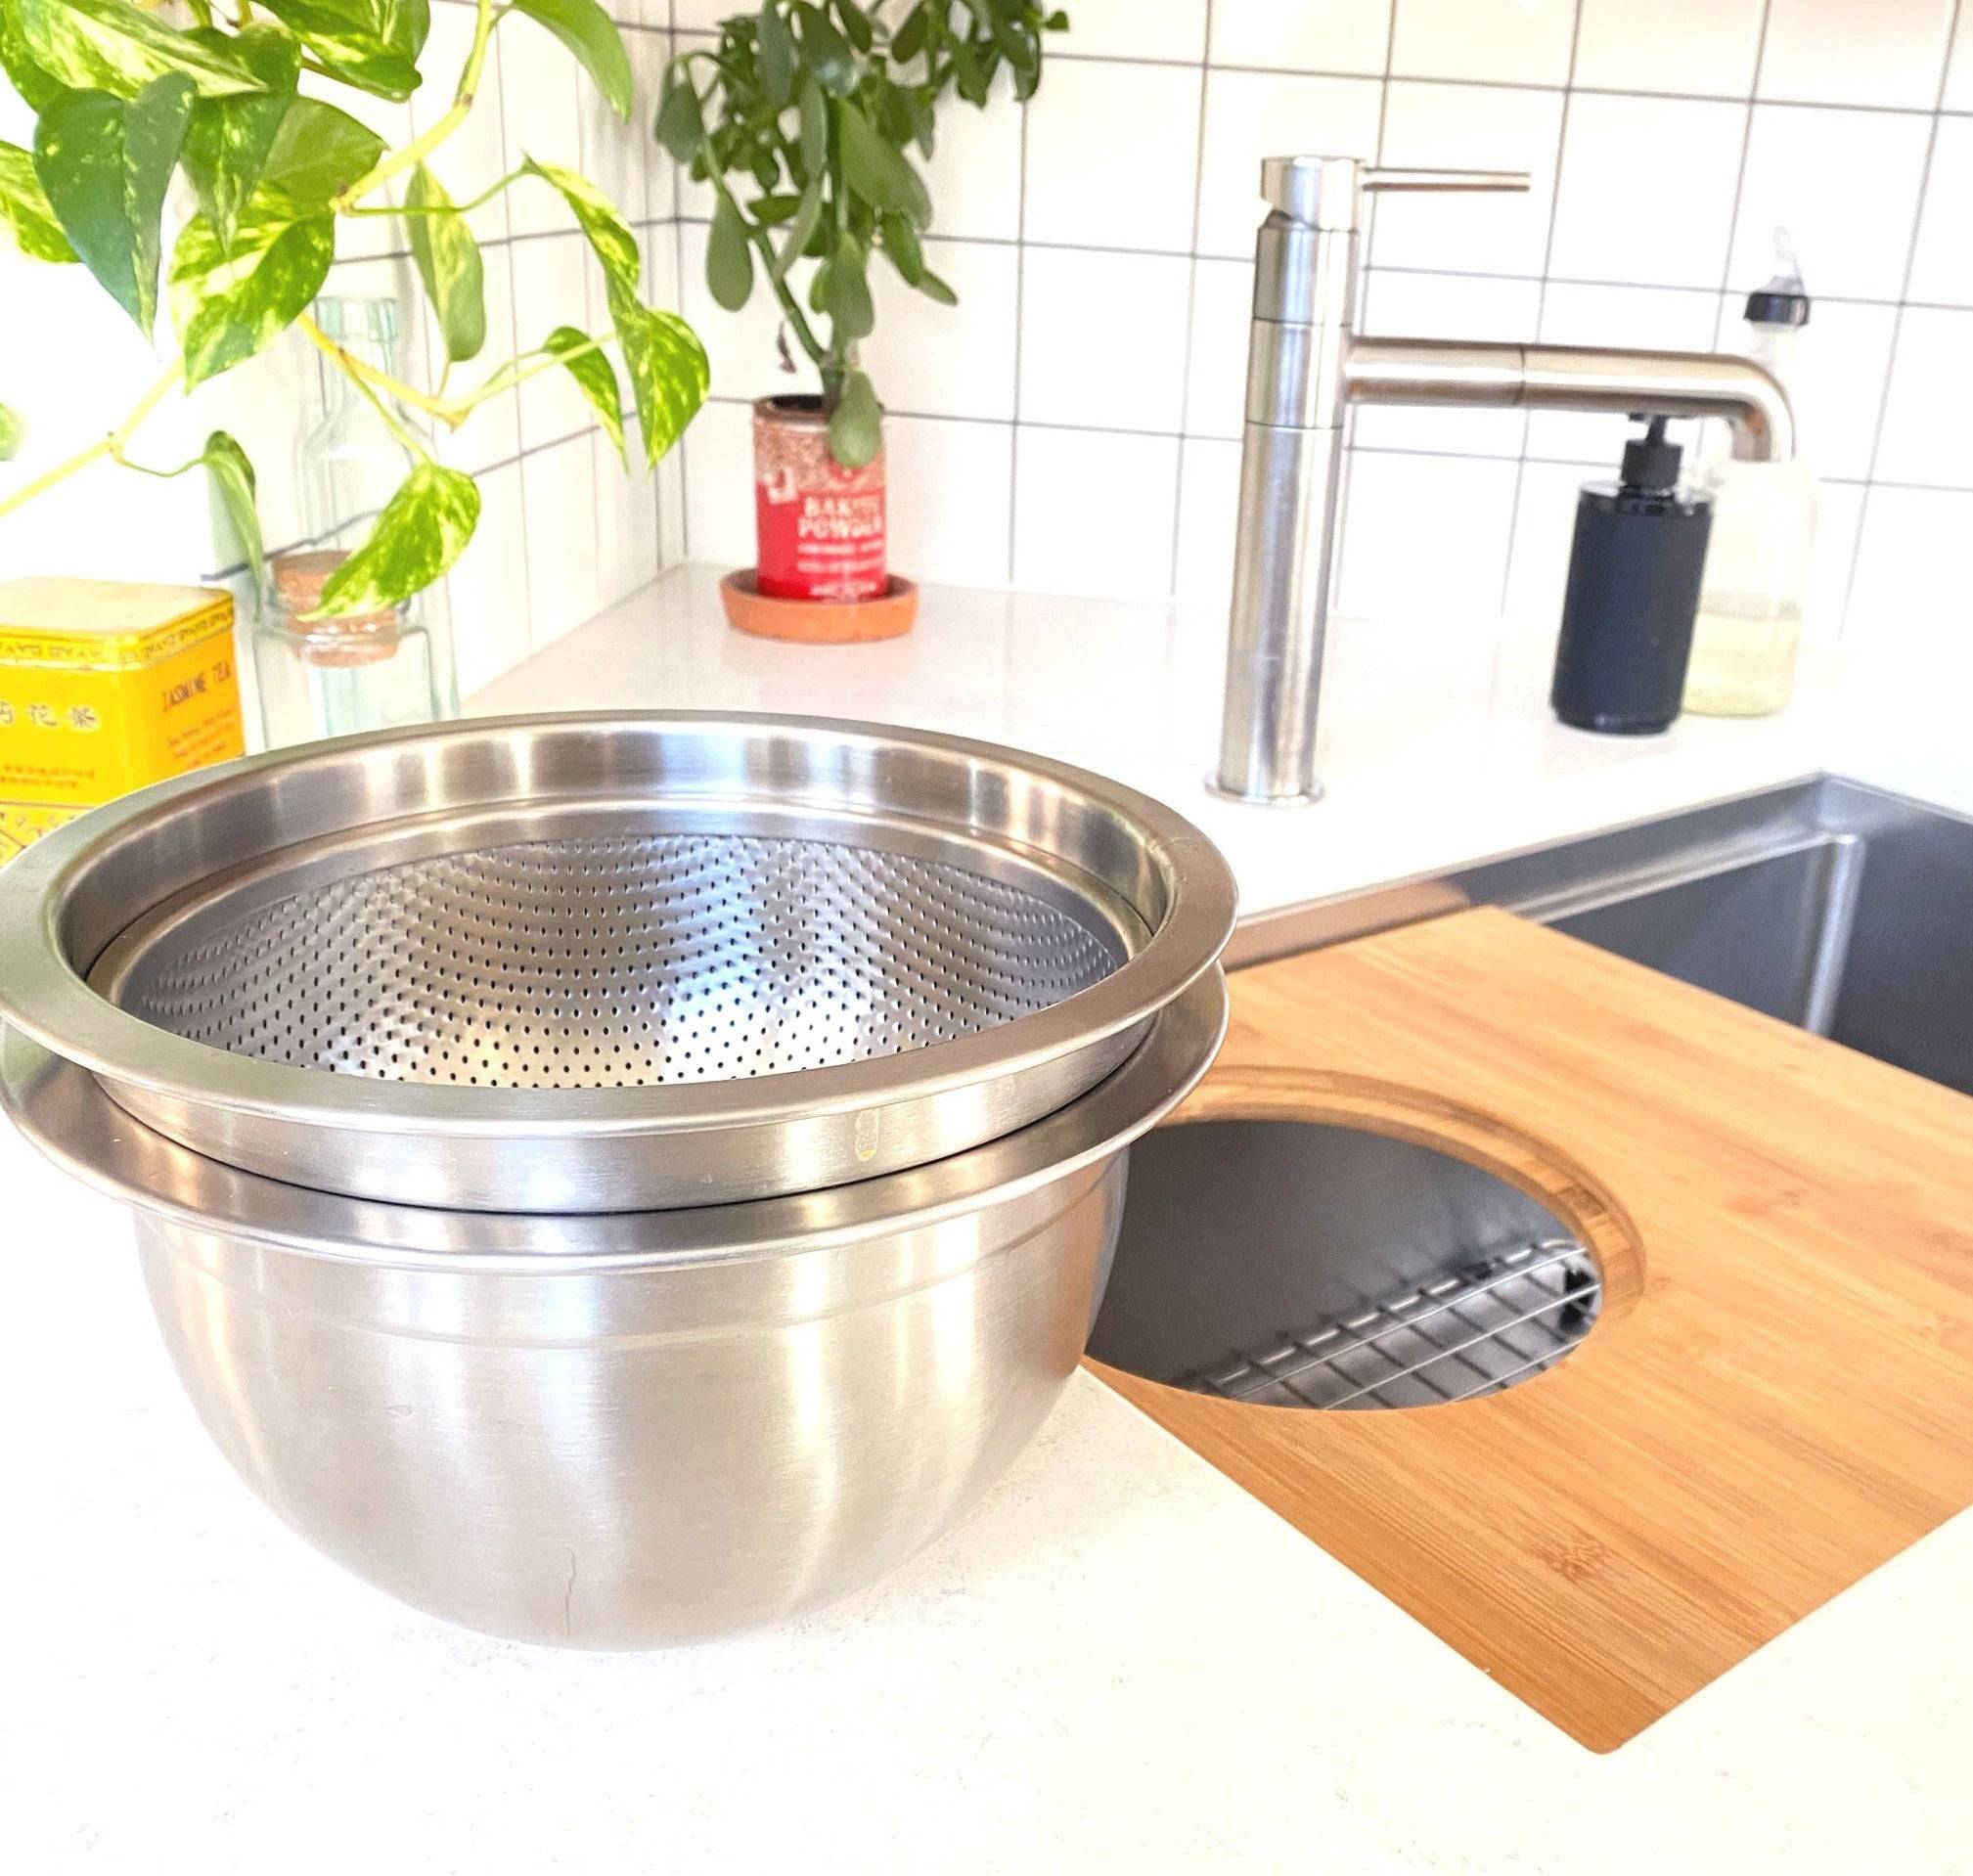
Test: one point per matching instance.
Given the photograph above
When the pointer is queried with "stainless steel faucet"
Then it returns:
(1305, 367)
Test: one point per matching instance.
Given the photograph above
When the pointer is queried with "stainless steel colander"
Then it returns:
(579, 964)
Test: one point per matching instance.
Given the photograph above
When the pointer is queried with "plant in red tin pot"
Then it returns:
(803, 118)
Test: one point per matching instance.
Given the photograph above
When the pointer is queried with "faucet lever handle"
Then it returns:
(1326, 192)
(1464, 181)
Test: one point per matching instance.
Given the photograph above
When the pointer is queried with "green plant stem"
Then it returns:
(112, 445)
(451, 412)
(479, 201)
(835, 367)
(418, 148)
(362, 373)
(757, 238)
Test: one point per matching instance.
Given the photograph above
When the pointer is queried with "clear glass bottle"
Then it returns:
(377, 670)
(1755, 587)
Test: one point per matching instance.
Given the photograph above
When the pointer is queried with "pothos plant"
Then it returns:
(802, 117)
(124, 100)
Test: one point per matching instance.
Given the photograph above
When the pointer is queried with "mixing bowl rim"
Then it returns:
(48, 996)
(53, 1100)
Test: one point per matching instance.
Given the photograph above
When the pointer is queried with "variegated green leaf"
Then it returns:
(229, 303)
(233, 481)
(667, 365)
(35, 85)
(589, 33)
(25, 211)
(113, 45)
(449, 264)
(669, 374)
(599, 218)
(595, 377)
(230, 137)
(105, 165)
(371, 44)
(422, 530)
(11, 428)
(317, 154)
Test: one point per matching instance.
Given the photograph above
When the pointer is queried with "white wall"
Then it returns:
(562, 531)
(1071, 426)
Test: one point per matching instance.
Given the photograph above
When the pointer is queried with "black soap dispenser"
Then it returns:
(1633, 594)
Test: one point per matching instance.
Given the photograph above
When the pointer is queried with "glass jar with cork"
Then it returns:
(377, 670)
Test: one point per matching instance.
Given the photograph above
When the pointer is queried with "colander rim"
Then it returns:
(46, 993)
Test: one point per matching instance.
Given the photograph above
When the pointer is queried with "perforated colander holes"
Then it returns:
(935, 952)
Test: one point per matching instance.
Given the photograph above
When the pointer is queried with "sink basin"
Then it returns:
(1309, 1264)
(1840, 909)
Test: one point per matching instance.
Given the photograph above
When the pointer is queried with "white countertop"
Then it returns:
(1120, 1661)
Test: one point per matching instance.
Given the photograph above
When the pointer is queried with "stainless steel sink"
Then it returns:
(1838, 908)
(1299, 1263)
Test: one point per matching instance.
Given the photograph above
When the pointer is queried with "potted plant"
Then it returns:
(125, 102)
(802, 117)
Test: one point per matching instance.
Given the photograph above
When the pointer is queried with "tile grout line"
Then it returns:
(1192, 299)
(1898, 316)
(1020, 314)
(1340, 523)
(1541, 308)
(1740, 174)
(519, 473)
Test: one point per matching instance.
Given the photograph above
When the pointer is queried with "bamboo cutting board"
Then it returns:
(1778, 1395)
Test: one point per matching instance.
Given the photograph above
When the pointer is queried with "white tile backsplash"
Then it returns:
(1697, 48)
(974, 174)
(1426, 537)
(1647, 191)
(550, 289)
(947, 497)
(1928, 406)
(1104, 340)
(1908, 595)
(1843, 357)
(486, 593)
(1113, 155)
(1337, 35)
(1815, 52)
(1440, 126)
(541, 116)
(1073, 424)
(1845, 184)
(1174, 29)
(1253, 115)
(1942, 263)
(961, 359)
(1216, 369)
(475, 157)
(1512, 42)
(1403, 305)
(1093, 514)
(1209, 486)
(1958, 94)
(558, 488)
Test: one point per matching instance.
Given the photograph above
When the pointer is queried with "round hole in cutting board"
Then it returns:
(1310, 1263)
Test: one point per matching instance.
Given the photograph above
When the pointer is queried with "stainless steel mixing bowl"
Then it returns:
(623, 1430)
(607, 964)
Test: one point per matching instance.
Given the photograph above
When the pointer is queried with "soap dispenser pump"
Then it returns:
(1633, 594)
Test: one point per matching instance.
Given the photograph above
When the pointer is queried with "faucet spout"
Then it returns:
(1579, 377)
(1305, 366)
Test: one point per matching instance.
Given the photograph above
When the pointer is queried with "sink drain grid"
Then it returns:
(1497, 1321)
